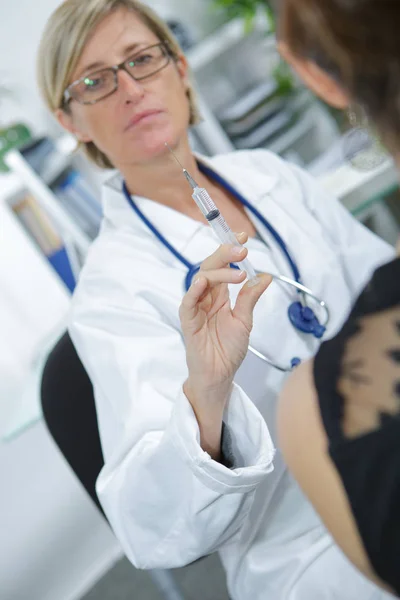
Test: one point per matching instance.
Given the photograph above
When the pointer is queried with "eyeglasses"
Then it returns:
(96, 86)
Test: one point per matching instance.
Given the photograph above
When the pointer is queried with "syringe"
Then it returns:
(216, 220)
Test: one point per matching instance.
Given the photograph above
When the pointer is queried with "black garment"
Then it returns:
(357, 378)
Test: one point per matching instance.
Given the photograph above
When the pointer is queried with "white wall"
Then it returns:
(21, 24)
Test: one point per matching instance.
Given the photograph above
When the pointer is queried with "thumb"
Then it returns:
(248, 297)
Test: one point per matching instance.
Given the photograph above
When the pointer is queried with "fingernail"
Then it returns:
(197, 281)
(241, 273)
(237, 251)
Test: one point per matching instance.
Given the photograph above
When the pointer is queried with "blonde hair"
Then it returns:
(63, 41)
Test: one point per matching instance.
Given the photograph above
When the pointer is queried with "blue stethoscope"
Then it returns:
(301, 316)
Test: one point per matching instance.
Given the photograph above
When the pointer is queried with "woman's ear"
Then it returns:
(316, 79)
(183, 68)
(67, 121)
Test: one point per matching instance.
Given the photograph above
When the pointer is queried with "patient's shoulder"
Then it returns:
(357, 374)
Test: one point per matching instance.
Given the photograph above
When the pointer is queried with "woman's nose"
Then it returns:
(129, 86)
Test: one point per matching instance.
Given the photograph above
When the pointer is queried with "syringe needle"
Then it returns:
(175, 157)
(189, 178)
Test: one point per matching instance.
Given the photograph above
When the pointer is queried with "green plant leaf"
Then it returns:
(247, 11)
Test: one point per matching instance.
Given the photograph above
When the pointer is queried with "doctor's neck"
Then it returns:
(162, 180)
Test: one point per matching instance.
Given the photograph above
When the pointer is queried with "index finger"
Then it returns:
(189, 305)
(223, 255)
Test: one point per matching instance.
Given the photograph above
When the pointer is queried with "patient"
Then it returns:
(339, 415)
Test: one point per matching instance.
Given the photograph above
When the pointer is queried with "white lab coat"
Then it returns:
(168, 502)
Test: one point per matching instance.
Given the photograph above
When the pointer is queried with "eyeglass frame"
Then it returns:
(169, 54)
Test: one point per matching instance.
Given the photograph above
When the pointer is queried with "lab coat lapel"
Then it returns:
(247, 179)
(176, 227)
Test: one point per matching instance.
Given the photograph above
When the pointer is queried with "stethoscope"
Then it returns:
(301, 316)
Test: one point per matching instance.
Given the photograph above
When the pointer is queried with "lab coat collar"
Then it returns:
(249, 181)
(246, 178)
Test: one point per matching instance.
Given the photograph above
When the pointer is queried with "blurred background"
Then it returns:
(55, 544)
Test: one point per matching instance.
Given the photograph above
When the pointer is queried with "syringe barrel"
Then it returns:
(226, 236)
(221, 228)
(223, 231)
(204, 201)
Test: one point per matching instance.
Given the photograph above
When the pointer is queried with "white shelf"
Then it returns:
(292, 135)
(34, 304)
(67, 227)
(10, 185)
(221, 41)
(226, 38)
(57, 167)
(355, 188)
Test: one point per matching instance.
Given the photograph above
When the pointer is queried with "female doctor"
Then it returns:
(185, 476)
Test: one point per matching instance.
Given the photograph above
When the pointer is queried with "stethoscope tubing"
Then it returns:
(302, 288)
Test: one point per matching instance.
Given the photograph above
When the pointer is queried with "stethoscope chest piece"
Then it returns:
(303, 318)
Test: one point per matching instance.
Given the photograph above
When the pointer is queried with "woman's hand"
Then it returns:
(216, 336)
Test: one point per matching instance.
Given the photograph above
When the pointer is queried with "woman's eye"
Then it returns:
(93, 83)
(143, 59)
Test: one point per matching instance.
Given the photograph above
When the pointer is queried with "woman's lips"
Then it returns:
(141, 117)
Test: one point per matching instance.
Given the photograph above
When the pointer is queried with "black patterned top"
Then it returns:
(357, 378)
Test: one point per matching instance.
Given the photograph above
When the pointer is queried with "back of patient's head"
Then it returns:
(358, 43)
(65, 36)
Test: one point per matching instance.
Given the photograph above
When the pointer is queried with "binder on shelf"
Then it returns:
(77, 199)
(23, 210)
(60, 262)
(66, 182)
(41, 230)
(76, 182)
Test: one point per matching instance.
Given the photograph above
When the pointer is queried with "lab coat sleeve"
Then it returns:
(361, 251)
(167, 501)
